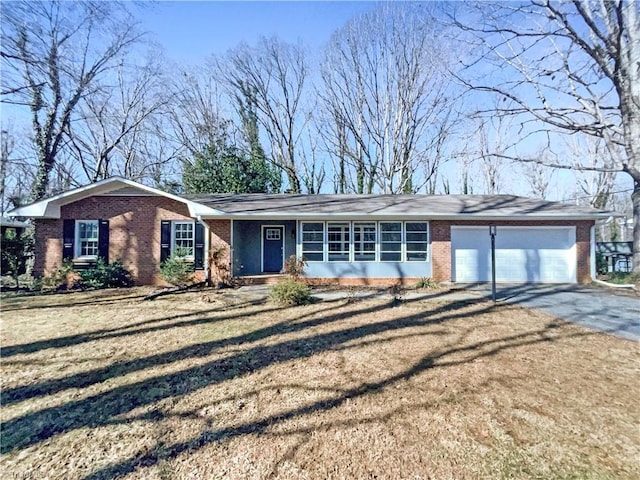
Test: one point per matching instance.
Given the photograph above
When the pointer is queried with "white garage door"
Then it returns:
(523, 254)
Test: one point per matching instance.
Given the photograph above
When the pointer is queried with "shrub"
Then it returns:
(294, 267)
(176, 270)
(622, 278)
(104, 275)
(60, 278)
(16, 251)
(291, 292)
(425, 282)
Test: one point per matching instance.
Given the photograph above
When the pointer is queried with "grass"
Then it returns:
(101, 385)
(622, 278)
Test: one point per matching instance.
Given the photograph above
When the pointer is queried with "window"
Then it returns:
(183, 237)
(273, 234)
(86, 238)
(390, 242)
(313, 242)
(364, 242)
(338, 241)
(417, 239)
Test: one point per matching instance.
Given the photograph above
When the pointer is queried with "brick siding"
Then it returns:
(134, 239)
(134, 233)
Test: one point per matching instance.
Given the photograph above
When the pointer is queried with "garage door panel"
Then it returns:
(523, 254)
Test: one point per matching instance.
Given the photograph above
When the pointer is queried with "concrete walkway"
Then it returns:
(593, 307)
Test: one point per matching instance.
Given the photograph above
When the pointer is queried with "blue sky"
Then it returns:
(191, 31)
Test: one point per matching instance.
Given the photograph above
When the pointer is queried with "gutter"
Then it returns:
(207, 235)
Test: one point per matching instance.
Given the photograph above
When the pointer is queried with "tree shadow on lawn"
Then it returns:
(100, 409)
(443, 359)
(99, 375)
(128, 330)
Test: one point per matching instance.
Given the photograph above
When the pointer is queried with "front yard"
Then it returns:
(100, 385)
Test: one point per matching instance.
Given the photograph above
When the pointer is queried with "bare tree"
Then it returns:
(570, 66)
(53, 54)
(385, 90)
(196, 115)
(274, 73)
(538, 176)
(110, 123)
(594, 179)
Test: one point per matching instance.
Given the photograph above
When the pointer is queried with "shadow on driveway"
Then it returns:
(592, 307)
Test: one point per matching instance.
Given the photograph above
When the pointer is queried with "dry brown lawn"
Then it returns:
(200, 386)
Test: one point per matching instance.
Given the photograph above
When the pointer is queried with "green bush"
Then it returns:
(16, 251)
(104, 275)
(60, 278)
(622, 278)
(176, 270)
(291, 292)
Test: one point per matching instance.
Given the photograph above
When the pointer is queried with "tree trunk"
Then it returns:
(635, 200)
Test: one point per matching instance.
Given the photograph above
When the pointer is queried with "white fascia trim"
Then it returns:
(402, 216)
(50, 207)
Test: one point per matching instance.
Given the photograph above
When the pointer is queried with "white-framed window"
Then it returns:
(183, 237)
(390, 241)
(273, 233)
(313, 241)
(417, 241)
(364, 241)
(338, 241)
(86, 239)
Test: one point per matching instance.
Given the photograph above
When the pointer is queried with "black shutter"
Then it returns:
(68, 237)
(103, 240)
(165, 240)
(199, 250)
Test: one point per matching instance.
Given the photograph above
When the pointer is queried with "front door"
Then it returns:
(272, 248)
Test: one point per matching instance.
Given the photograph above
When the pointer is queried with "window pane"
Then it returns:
(183, 237)
(338, 242)
(417, 241)
(313, 241)
(87, 238)
(416, 237)
(416, 227)
(390, 246)
(390, 241)
(416, 256)
(364, 241)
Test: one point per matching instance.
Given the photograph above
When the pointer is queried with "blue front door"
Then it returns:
(272, 248)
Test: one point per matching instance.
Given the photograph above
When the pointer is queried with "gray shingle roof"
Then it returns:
(443, 206)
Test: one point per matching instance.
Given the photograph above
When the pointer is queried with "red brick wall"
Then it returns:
(441, 244)
(440, 251)
(134, 233)
(219, 246)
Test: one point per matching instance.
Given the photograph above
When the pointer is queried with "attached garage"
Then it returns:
(544, 254)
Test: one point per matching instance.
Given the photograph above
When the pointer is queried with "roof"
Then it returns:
(299, 206)
(10, 222)
(436, 206)
(614, 248)
(50, 207)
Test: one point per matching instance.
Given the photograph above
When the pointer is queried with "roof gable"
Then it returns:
(50, 207)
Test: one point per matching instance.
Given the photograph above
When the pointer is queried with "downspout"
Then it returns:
(592, 253)
(207, 236)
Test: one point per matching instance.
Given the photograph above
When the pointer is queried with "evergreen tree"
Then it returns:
(223, 168)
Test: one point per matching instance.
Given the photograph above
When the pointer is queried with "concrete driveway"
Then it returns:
(592, 307)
